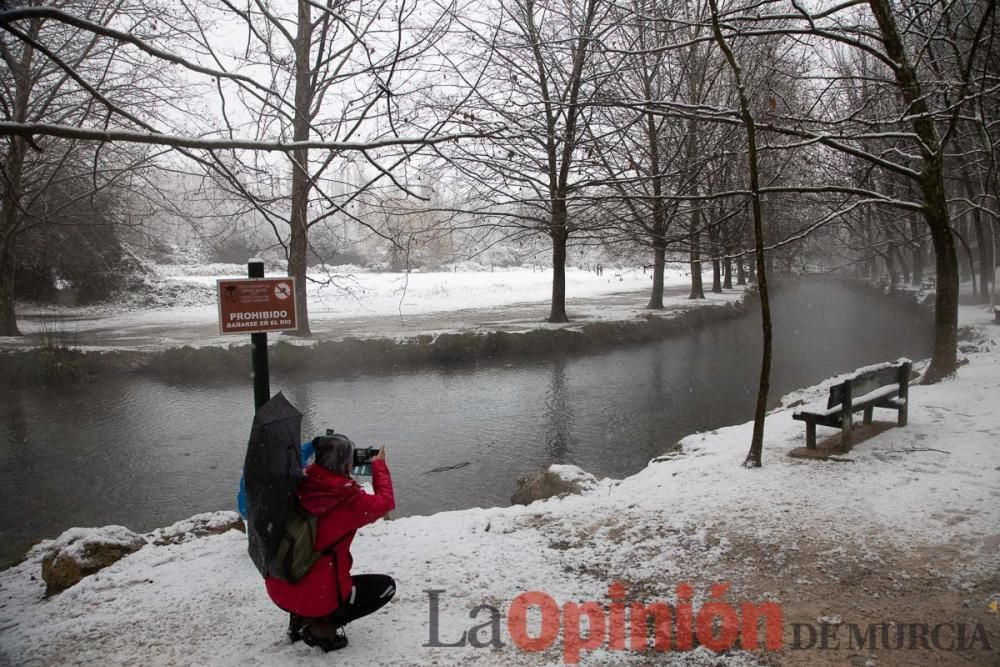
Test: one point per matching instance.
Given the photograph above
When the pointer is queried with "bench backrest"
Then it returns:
(869, 381)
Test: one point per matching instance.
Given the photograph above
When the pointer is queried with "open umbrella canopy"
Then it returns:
(272, 470)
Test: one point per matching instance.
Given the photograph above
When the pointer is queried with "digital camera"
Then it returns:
(363, 460)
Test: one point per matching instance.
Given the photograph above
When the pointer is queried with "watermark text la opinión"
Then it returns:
(536, 622)
(617, 625)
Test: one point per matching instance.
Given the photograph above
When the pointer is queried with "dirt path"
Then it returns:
(868, 602)
(880, 606)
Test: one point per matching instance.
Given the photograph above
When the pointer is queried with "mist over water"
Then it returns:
(144, 453)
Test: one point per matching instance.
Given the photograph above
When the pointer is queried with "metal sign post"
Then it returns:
(258, 345)
(256, 305)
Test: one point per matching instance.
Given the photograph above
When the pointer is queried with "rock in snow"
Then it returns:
(200, 525)
(80, 552)
(556, 481)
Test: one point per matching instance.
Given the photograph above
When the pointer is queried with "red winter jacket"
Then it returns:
(342, 507)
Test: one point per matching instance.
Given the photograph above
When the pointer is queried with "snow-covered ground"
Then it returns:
(908, 531)
(180, 308)
(353, 291)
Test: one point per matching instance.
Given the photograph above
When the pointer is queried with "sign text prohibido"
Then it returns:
(254, 306)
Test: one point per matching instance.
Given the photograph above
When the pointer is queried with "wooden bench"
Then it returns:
(886, 387)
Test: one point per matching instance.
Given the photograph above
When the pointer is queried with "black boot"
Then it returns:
(295, 623)
(324, 634)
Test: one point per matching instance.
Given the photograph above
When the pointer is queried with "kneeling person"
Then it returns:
(329, 597)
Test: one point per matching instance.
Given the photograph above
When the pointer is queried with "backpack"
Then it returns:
(296, 552)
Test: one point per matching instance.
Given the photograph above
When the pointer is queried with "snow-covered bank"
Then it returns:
(500, 338)
(181, 309)
(909, 531)
(183, 340)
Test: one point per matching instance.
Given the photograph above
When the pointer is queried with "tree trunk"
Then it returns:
(994, 234)
(727, 271)
(985, 260)
(8, 318)
(903, 266)
(985, 256)
(694, 85)
(713, 237)
(918, 262)
(697, 289)
(298, 245)
(659, 214)
(8, 237)
(557, 313)
(754, 457)
(944, 359)
(970, 265)
(890, 266)
(659, 263)
(741, 274)
(10, 195)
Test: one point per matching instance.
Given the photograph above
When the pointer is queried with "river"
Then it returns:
(144, 453)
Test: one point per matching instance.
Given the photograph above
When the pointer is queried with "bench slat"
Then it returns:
(863, 384)
(876, 394)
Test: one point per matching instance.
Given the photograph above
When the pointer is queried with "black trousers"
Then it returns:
(369, 593)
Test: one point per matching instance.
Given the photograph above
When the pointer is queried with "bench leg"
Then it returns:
(810, 435)
(901, 417)
(868, 415)
(846, 435)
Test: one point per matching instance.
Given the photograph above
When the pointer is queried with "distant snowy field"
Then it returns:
(178, 303)
(350, 291)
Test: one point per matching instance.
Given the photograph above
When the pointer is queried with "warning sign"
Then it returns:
(257, 305)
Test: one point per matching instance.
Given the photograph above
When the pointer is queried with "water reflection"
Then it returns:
(15, 417)
(558, 416)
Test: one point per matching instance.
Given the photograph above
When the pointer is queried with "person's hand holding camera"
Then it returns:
(380, 456)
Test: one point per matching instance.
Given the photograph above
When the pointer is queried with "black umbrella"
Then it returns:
(272, 471)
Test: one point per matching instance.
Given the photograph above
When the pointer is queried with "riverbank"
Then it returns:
(906, 533)
(353, 342)
(180, 308)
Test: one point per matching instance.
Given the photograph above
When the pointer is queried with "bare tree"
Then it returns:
(530, 72)
(924, 123)
(754, 457)
(323, 76)
(49, 66)
(342, 71)
(640, 151)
